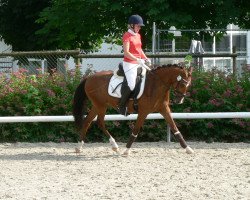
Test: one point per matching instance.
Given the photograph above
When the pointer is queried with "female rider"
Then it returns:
(133, 58)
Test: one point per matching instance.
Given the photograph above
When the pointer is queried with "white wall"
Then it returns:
(99, 64)
(248, 47)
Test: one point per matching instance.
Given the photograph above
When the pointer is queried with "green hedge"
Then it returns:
(215, 91)
(43, 94)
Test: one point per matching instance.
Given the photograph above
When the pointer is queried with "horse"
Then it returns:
(155, 98)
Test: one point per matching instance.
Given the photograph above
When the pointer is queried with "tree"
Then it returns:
(70, 24)
(84, 24)
(243, 19)
(18, 26)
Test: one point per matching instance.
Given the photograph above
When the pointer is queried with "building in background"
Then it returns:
(179, 42)
(6, 63)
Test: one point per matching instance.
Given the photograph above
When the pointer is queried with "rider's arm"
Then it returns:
(127, 53)
(143, 55)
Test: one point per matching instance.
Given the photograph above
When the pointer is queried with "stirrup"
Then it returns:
(123, 111)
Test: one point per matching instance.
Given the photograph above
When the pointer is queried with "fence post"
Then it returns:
(168, 134)
(234, 62)
(154, 41)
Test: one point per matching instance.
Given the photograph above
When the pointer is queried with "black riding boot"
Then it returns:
(123, 101)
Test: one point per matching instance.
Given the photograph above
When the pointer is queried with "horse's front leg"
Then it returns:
(166, 113)
(139, 122)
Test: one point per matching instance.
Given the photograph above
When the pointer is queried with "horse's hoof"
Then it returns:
(189, 150)
(77, 150)
(126, 153)
(116, 150)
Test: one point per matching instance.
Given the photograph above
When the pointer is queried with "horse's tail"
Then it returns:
(79, 104)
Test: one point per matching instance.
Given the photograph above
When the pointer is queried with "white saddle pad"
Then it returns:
(115, 80)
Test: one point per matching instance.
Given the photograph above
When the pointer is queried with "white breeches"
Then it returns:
(130, 71)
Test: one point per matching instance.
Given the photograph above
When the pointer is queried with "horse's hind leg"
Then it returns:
(101, 124)
(166, 113)
(86, 124)
(100, 121)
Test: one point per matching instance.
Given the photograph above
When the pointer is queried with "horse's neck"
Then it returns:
(156, 87)
(166, 76)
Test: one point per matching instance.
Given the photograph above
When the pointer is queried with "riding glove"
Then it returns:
(148, 62)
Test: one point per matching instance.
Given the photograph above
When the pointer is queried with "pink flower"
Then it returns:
(62, 106)
(228, 79)
(62, 84)
(187, 109)
(239, 105)
(194, 91)
(22, 70)
(39, 70)
(8, 89)
(227, 93)
(18, 75)
(239, 122)
(61, 140)
(24, 92)
(50, 93)
(214, 102)
(116, 123)
(239, 90)
(210, 125)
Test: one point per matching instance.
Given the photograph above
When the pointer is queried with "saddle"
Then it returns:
(118, 81)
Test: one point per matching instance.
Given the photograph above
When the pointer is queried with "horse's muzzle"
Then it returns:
(179, 97)
(179, 101)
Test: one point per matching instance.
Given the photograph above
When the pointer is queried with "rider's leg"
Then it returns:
(130, 71)
(123, 101)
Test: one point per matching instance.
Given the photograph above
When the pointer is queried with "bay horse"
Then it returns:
(155, 98)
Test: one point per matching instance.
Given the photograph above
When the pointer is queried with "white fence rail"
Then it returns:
(217, 115)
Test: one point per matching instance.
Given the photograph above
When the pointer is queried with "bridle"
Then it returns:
(181, 81)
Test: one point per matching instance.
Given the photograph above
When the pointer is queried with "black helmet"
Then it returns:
(135, 19)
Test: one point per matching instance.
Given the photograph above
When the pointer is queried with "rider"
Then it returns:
(133, 58)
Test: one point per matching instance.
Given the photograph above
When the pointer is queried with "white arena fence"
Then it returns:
(117, 117)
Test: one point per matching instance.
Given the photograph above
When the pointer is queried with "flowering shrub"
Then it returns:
(31, 95)
(215, 91)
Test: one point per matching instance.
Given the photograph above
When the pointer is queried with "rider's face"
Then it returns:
(137, 28)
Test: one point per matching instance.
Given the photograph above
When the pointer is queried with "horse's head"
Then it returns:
(181, 84)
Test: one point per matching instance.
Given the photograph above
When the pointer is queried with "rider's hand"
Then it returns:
(140, 61)
(148, 62)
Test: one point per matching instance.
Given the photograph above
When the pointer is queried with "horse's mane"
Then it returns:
(157, 67)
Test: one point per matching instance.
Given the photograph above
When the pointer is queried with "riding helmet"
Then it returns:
(136, 19)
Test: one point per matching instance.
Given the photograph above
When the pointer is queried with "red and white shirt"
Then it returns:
(135, 45)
